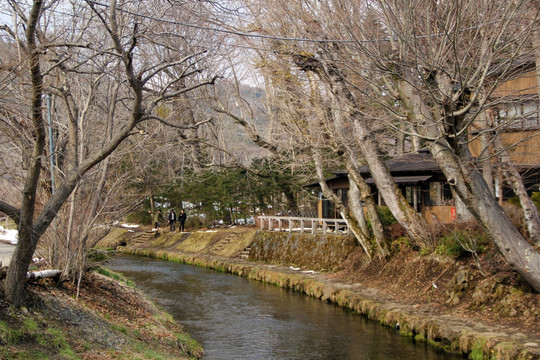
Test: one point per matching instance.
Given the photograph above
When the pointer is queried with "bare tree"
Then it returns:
(432, 68)
(317, 59)
(443, 103)
(144, 87)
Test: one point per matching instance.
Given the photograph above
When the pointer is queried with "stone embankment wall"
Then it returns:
(268, 250)
(307, 251)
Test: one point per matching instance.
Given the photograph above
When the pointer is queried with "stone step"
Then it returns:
(222, 243)
(245, 253)
(144, 237)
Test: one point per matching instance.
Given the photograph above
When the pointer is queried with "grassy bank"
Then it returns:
(109, 320)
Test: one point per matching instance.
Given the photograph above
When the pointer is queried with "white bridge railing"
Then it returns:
(304, 225)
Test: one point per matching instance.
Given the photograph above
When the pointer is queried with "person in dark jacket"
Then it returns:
(181, 221)
(172, 220)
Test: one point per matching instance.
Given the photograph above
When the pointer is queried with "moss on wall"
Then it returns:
(315, 252)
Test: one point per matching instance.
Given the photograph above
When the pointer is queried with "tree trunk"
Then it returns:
(43, 274)
(152, 206)
(521, 256)
(289, 195)
(366, 196)
(22, 256)
(359, 190)
(461, 172)
(355, 206)
(363, 238)
(69, 233)
(462, 211)
(187, 117)
(530, 212)
(487, 168)
(415, 226)
(411, 221)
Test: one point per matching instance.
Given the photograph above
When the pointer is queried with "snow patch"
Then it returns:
(129, 225)
(9, 235)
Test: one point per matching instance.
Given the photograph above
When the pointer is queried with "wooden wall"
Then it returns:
(524, 146)
(523, 85)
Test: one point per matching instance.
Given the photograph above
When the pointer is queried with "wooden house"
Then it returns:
(422, 182)
(517, 118)
(417, 175)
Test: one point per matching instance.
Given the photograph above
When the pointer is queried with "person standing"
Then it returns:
(181, 221)
(172, 220)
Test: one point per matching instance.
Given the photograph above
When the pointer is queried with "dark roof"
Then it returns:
(418, 161)
(421, 161)
(405, 179)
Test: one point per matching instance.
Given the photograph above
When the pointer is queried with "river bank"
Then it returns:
(109, 319)
(441, 302)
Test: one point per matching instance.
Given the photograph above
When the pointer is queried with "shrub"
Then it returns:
(464, 240)
(400, 244)
(395, 231)
(449, 246)
(385, 216)
(536, 199)
(194, 222)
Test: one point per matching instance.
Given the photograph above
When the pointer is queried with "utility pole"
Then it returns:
(51, 140)
(54, 250)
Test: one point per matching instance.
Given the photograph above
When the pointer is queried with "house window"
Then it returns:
(438, 193)
(344, 195)
(435, 193)
(329, 210)
(409, 194)
(520, 115)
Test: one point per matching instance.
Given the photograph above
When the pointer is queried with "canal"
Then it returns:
(236, 318)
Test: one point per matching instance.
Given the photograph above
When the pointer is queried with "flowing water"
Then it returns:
(236, 318)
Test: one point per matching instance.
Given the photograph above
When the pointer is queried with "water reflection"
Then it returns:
(235, 318)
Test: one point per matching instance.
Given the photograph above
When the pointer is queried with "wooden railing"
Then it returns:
(304, 225)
